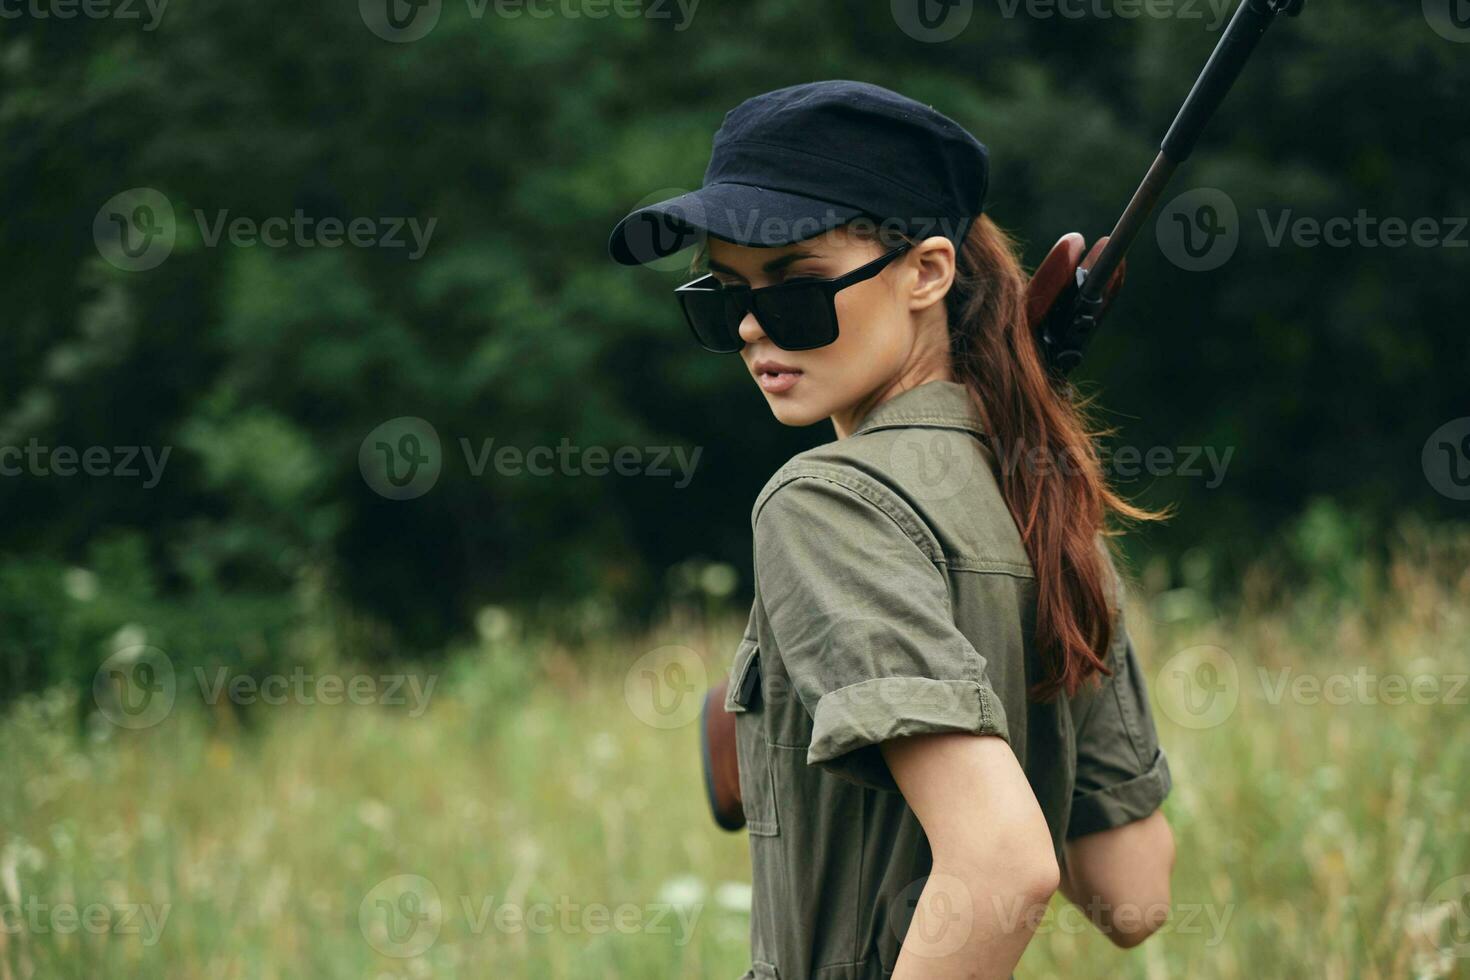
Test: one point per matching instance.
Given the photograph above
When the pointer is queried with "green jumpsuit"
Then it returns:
(893, 597)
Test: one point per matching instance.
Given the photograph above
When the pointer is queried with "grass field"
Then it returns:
(529, 821)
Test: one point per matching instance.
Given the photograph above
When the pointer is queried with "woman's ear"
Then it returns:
(934, 260)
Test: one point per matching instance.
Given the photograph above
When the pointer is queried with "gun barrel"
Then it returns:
(1230, 55)
(1129, 225)
(1242, 35)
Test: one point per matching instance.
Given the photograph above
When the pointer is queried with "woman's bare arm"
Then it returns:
(1120, 878)
(994, 867)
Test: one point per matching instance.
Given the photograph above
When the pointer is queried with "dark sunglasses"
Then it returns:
(796, 315)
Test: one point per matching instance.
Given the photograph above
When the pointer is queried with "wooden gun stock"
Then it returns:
(721, 762)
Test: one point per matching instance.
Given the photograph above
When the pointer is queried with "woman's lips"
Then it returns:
(775, 378)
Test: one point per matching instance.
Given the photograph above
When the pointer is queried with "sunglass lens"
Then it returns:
(798, 317)
(714, 315)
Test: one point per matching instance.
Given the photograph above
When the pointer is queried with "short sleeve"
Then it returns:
(1122, 773)
(861, 617)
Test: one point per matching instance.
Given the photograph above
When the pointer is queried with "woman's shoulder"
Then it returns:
(936, 483)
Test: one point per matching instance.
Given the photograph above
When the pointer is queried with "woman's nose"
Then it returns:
(750, 328)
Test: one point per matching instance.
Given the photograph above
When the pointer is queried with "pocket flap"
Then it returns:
(745, 676)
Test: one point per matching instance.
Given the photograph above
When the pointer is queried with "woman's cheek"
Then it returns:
(877, 351)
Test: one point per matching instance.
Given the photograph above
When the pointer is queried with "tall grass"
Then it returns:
(532, 823)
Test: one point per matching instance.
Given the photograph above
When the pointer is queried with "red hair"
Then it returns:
(1062, 506)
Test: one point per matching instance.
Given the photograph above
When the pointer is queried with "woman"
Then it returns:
(940, 719)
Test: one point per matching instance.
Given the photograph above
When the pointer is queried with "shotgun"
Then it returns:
(1066, 300)
(1068, 297)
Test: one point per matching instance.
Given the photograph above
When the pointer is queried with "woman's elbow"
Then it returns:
(1131, 926)
(1120, 878)
(1152, 902)
(1043, 876)
(1025, 869)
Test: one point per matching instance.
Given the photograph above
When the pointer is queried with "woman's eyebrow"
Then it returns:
(775, 265)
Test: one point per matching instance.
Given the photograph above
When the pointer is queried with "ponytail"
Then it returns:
(1049, 470)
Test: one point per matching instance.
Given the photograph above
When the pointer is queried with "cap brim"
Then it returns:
(739, 213)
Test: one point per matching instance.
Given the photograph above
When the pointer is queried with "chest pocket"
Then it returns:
(757, 780)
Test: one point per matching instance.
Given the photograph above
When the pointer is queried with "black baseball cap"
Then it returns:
(791, 164)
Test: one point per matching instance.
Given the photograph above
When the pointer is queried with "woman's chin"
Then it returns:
(792, 412)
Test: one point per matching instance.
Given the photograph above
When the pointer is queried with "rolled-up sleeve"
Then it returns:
(861, 617)
(1122, 773)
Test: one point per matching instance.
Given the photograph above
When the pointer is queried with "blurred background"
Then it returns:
(317, 379)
